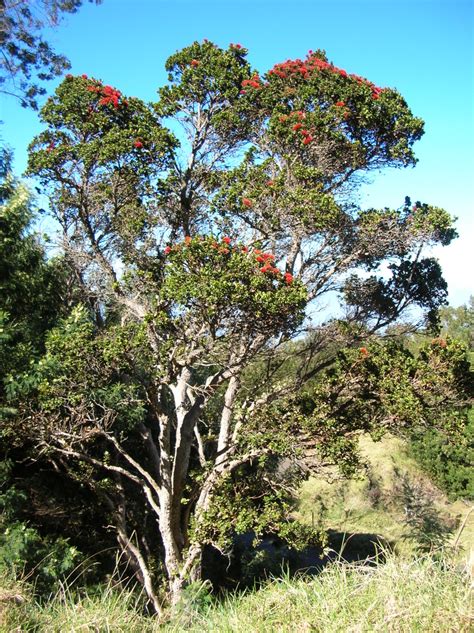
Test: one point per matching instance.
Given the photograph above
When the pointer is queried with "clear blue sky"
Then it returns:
(424, 48)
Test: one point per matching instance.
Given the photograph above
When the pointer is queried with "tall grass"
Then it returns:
(417, 595)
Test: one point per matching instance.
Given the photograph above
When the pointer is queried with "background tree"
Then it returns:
(203, 257)
(25, 56)
(459, 323)
(33, 294)
(451, 465)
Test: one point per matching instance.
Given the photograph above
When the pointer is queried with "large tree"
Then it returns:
(207, 230)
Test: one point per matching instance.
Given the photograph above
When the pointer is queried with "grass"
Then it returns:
(376, 503)
(110, 608)
(400, 595)
(416, 595)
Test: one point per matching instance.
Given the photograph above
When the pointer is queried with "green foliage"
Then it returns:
(27, 56)
(30, 299)
(23, 550)
(253, 502)
(448, 458)
(228, 287)
(206, 74)
(427, 526)
(96, 364)
(449, 464)
(458, 323)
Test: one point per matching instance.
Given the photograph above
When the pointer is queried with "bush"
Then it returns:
(451, 466)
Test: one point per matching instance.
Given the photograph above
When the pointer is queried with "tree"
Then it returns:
(459, 323)
(30, 299)
(204, 254)
(25, 54)
(449, 464)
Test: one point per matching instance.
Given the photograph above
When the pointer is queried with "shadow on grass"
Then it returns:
(250, 565)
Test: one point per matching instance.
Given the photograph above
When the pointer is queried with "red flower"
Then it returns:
(187, 240)
(84, 76)
(260, 259)
(224, 251)
(245, 249)
(194, 62)
(307, 139)
(283, 118)
(110, 95)
(288, 278)
(246, 202)
(297, 126)
(167, 250)
(364, 351)
(69, 76)
(138, 144)
(340, 104)
(270, 183)
(227, 240)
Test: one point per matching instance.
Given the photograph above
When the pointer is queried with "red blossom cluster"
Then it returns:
(298, 126)
(237, 46)
(225, 247)
(194, 63)
(247, 202)
(441, 342)
(313, 64)
(253, 82)
(109, 95)
(364, 351)
(267, 260)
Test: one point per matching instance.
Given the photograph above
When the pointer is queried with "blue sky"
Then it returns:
(424, 48)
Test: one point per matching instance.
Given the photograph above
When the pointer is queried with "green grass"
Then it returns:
(418, 595)
(375, 502)
(110, 608)
(400, 595)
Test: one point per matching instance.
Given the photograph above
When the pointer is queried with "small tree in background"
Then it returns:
(202, 254)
